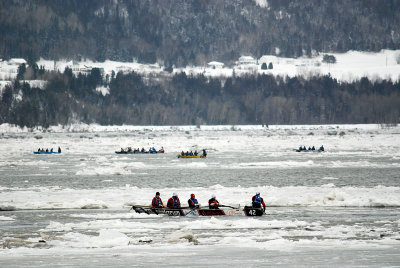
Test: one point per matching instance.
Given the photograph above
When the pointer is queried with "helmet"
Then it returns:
(158, 193)
(258, 193)
(192, 195)
(174, 194)
(213, 196)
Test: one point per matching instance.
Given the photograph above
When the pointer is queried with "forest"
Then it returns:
(178, 33)
(193, 32)
(187, 100)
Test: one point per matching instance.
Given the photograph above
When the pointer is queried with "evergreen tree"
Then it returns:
(21, 71)
(264, 66)
(329, 59)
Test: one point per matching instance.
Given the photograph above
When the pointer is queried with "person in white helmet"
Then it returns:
(213, 202)
(174, 202)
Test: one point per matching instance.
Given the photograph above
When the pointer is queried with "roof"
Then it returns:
(215, 63)
(246, 58)
(268, 58)
(17, 60)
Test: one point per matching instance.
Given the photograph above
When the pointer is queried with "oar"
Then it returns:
(224, 206)
(192, 210)
(142, 209)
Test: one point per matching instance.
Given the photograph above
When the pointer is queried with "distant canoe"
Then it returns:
(309, 151)
(191, 156)
(132, 152)
(46, 153)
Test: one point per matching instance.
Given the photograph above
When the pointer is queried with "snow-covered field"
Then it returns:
(350, 66)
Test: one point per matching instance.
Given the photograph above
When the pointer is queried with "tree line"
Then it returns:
(181, 99)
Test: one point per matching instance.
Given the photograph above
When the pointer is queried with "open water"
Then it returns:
(337, 208)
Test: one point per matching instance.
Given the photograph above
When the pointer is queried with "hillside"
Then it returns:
(193, 32)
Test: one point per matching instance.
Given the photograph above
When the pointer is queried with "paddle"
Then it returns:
(224, 206)
(141, 209)
(192, 209)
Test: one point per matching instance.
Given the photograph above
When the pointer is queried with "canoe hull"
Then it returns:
(191, 156)
(187, 211)
(253, 212)
(156, 211)
(119, 152)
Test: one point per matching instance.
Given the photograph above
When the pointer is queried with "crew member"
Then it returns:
(257, 201)
(174, 202)
(213, 202)
(193, 201)
(157, 202)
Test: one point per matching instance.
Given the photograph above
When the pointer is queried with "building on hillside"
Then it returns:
(215, 65)
(246, 63)
(84, 69)
(75, 67)
(246, 60)
(16, 61)
(267, 59)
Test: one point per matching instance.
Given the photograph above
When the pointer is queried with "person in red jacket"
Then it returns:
(193, 203)
(157, 202)
(213, 202)
(257, 201)
(174, 202)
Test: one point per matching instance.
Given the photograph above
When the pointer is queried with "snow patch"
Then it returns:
(261, 3)
(103, 90)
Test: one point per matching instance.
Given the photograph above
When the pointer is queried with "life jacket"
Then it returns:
(192, 202)
(212, 201)
(156, 202)
(174, 202)
(257, 200)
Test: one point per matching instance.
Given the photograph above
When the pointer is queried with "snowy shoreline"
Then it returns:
(88, 128)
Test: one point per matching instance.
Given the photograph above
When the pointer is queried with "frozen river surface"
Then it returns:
(337, 208)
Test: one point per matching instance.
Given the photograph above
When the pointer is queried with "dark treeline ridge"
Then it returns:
(182, 100)
(184, 32)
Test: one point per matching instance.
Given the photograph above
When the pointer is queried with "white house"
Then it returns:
(215, 64)
(16, 61)
(246, 63)
(244, 60)
(267, 59)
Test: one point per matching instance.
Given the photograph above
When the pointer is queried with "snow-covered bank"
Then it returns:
(82, 127)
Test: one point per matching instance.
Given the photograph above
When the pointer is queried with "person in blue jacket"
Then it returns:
(193, 201)
(174, 202)
(257, 201)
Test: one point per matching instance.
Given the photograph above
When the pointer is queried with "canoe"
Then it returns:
(156, 211)
(308, 151)
(187, 211)
(191, 156)
(132, 152)
(46, 153)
